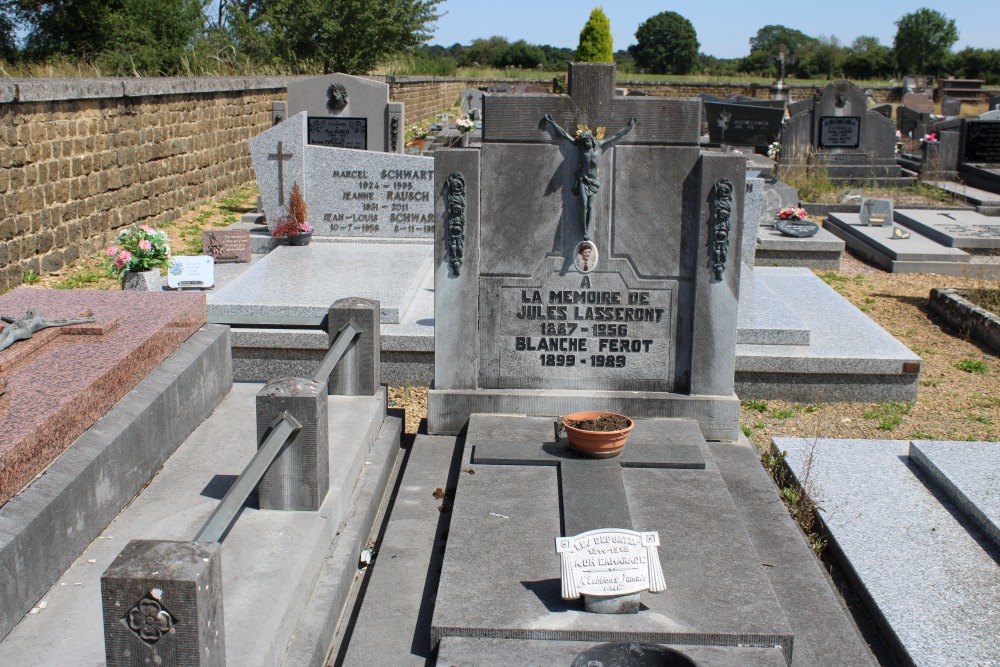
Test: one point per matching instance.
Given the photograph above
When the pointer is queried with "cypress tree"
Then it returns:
(595, 40)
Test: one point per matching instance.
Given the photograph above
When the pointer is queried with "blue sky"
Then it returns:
(724, 27)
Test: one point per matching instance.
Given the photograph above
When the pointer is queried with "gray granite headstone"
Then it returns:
(876, 212)
(993, 114)
(162, 605)
(525, 328)
(348, 112)
(951, 106)
(348, 193)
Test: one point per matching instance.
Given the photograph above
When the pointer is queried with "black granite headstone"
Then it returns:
(982, 142)
(743, 124)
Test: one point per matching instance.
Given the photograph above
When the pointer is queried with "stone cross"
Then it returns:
(591, 102)
(592, 491)
(281, 157)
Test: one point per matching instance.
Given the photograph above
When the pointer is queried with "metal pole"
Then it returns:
(345, 337)
(226, 511)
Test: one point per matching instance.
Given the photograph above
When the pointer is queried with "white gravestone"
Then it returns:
(348, 193)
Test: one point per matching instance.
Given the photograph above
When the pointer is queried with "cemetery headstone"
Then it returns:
(519, 314)
(839, 132)
(348, 193)
(981, 141)
(918, 84)
(921, 102)
(472, 103)
(876, 212)
(994, 102)
(951, 106)
(743, 124)
(884, 109)
(348, 112)
(913, 123)
(990, 115)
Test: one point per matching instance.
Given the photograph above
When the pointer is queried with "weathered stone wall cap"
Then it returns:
(51, 90)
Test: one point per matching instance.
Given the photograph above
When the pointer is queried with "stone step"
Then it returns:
(928, 577)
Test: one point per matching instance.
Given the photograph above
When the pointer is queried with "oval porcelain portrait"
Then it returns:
(585, 257)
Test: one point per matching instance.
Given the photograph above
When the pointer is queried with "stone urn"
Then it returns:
(142, 281)
(302, 238)
(597, 434)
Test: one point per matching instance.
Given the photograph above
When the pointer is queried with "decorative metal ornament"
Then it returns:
(336, 97)
(455, 209)
(721, 221)
(394, 134)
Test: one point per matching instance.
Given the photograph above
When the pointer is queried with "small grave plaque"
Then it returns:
(839, 131)
(799, 229)
(982, 141)
(876, 212)
(226, 245)
(610, 562)
(338, 132)
(191, 272)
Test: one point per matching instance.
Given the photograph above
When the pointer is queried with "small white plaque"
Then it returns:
(191, 272)
(609, 562)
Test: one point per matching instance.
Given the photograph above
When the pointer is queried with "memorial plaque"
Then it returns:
(610, 562)
(982, 142)
(191, 272)
(876, 212)
(226, 245)
(744, 124)
(839, 131)
(560, 330)
(799, 229)
(338, 132)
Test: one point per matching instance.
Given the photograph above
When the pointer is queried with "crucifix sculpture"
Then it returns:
(281, 157)
(32, 322)
(591, 146)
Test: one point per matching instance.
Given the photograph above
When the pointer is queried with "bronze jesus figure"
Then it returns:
(588, 180)
(32, 322)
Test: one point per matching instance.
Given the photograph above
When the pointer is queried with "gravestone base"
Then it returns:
(500, 576)
(821, 251)
(448, 410)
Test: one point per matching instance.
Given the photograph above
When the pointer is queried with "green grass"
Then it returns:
(979, 419)
(888, 415)
(920, 435)
(755, 406)
(80, 280)
(976, 366)
(814, 407)
(930, 383)
(747, 431)
(29, 277)
(782, 413)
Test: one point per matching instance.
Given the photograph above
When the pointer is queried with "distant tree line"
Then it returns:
(354, 36)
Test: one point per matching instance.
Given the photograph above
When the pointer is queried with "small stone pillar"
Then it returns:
(162, 605)
(299, 478)
(357, 374)
(395, 127)
(279, 112)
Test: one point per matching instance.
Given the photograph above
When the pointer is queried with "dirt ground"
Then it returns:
(952, 404)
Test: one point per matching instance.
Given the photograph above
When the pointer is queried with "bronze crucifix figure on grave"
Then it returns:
(591, 146)
(32, 322)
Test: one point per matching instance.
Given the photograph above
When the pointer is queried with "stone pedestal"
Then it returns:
(162, 605)
(299, 478)
(357, 374)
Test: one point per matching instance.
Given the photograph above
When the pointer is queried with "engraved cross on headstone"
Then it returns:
(281, 157)
(592, 491)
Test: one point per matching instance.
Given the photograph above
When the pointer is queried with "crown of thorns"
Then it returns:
(598, 133)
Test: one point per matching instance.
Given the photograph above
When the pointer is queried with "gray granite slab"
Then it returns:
(470, 652)
(877, 244)
(976, 196)
(926, 579)
(821, 251)
(500, 577)
(305, 281)
(955, 229)
(770, 321)
(969, 472)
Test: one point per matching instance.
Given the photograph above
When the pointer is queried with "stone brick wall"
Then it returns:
(80, 159)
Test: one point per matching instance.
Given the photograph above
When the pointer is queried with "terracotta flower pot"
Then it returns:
(598, 444)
